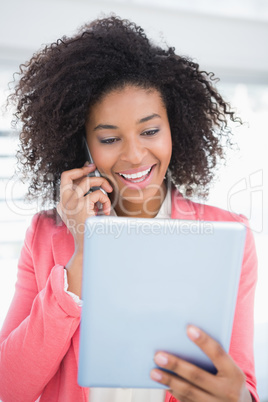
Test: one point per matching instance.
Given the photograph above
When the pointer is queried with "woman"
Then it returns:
(148, 117)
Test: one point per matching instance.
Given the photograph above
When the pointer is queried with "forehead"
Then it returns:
(129, 100)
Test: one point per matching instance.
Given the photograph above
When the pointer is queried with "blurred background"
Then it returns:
(227, 37)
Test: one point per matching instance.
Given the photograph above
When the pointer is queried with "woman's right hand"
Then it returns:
(75, 207)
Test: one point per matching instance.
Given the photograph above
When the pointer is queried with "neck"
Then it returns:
(146, 208)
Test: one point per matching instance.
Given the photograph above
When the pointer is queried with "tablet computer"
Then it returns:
(144, 281)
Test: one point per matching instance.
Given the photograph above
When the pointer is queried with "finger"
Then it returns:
(181, 389)
(68, 177)
(221, 360)
(187, 371)
(86, 183)
(98, 196)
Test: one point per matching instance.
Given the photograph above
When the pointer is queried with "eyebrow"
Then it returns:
(111, 127)
(105, 127)
(147, 118)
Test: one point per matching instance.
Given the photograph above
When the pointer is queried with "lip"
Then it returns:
(141, 185)
(133, 171)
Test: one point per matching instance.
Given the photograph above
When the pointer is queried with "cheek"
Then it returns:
(104, 160)
(165, 150)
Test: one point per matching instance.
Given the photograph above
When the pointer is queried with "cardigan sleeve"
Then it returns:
(241, 346)
(37, 331)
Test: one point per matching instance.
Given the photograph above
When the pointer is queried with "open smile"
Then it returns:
(139, 178)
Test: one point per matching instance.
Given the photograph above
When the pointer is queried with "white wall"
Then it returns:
(230, 46)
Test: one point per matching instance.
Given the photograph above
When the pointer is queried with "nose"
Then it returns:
(133, 151)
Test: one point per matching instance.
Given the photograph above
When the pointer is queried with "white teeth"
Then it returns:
(135, 175)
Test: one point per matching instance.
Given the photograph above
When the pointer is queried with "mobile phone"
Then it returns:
(96, 173)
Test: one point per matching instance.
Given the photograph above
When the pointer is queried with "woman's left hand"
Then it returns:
(190, 383)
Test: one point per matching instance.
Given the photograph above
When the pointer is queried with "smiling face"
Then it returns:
(129, 137)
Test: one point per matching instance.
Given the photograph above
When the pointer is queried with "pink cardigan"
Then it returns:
(40, 337)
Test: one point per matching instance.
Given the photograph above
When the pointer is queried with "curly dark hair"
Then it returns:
(62, 81)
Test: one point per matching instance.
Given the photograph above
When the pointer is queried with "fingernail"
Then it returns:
(193, 332)
(161, 359)
(155, 375)
(107, 211)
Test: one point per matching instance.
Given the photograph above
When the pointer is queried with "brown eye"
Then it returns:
(109, 141)
(150, 133)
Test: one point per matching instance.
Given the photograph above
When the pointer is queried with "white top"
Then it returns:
(128, 394)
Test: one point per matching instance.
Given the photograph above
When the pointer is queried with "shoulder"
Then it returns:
(209, 212)
(44, 225)
(48, 239)
(183, 208)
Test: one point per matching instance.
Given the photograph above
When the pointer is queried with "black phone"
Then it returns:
(89, 158)
(96, 173)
